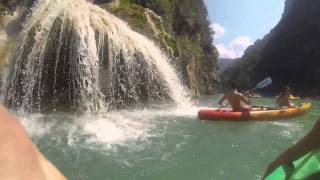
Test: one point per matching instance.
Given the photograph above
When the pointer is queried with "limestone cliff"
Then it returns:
(180, 27)
(289, 54)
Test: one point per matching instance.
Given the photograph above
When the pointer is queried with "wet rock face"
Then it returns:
(61, 83)
(17, 8)
(185, 21)
(78, 57)
(102, 1)
(51, 70)
(289, 54)
(13, 4)
(187, 33)
(197, 59)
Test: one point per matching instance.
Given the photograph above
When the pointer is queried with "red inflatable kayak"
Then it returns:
(272, 114)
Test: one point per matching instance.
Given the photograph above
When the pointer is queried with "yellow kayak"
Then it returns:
(263, 114)
(280, 113)
(291, 97)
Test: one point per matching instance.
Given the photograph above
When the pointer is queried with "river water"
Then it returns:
(160, 143)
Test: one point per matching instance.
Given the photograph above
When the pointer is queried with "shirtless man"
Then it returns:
(19, 158)
(237, 100)
(283, 99)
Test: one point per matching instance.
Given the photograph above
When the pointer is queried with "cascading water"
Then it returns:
(75, 55)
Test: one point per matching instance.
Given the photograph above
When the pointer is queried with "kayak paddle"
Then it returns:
(263, 83)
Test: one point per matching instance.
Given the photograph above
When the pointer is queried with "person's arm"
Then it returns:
(290, 105)
(222, 99)
(278, 101)
(19, 158)
(301, 148)
(244, 99)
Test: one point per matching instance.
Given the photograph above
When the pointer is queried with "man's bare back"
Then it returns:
(237, 101)
(283, 99)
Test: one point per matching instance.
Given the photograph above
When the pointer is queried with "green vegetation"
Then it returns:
(5, 52)
(7, 6)
(184, 29)
(4, 11)
(134, 14)
(124, 3)
(172, 43)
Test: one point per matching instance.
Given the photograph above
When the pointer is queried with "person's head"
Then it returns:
(246, 93)
(287, 89)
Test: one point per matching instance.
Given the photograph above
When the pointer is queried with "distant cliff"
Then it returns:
(223, 64)
(289, 54)
(180, 27)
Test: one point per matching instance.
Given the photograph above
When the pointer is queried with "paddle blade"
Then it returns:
(263, 83)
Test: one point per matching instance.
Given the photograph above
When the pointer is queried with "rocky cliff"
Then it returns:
(289, 54)
(12, 13)
(180, 27)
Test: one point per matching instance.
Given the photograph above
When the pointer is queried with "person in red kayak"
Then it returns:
(237, 100)
(284, 98)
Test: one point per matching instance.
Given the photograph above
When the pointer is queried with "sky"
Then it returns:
(238, 23)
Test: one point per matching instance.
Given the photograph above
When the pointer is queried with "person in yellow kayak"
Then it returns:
(237, 100)
(284, 98)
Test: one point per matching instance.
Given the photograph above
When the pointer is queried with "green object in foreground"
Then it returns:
(307, 167)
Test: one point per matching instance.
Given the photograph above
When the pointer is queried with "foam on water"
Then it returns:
(35, 124)
(104, 131)
(119, 128)
(115, 128)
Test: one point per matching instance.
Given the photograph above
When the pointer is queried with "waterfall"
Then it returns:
(74, 55)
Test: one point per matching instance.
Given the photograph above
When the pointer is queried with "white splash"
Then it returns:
(104, 132)
(35, 125)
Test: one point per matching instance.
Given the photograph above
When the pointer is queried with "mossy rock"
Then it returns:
(132, 13)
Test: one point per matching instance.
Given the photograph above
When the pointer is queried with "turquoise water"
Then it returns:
(153, 144)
